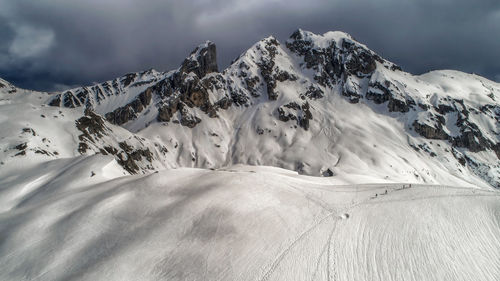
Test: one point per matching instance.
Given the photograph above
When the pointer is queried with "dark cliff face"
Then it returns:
(97, 136)
(126, 113)
(469, 135)
(189, 88)
(344, 63)
(336, 61)
(202, 61)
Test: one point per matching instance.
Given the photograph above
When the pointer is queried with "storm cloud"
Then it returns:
(56, 44)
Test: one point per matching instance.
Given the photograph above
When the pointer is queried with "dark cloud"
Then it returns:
(52, 44)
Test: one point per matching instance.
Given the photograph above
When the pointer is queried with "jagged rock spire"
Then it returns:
(202, 60)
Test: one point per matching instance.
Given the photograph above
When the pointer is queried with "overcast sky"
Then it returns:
(56, 44)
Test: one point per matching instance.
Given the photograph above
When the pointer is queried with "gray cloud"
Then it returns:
(47, 44)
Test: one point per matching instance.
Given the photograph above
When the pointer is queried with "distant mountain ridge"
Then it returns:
(318, 104)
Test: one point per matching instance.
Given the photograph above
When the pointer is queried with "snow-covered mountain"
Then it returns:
(322, 105)
(388, 175)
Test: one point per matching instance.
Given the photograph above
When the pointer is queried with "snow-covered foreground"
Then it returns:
(243, 223)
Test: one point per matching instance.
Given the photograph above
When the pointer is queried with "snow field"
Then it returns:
(243, 223)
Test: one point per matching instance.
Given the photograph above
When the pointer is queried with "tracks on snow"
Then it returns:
(331, 263)
(284, 253)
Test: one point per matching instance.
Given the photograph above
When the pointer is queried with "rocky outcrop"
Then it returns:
(130, 111)
(400, 105)
(359, 60)
(381, 92)
(266, 66)
(188, 86)
(129, 156)
(343, 62)
(202, 61)
(313, 92)
(469, 135)
(430, 132)
(189, 120)
(91, 125)
(325, 61)
(335, 60)
(128, 79)
(97, 137)
(378, 93)
(299, 113)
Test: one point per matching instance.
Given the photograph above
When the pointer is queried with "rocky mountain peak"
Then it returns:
(304, 35)
(202, 60)
(335, 53)
(298, 90)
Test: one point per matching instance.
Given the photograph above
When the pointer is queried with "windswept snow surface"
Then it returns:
(58, 222)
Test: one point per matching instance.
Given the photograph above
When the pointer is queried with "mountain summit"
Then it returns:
(322, 105)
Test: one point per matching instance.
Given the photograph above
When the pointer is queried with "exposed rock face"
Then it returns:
(361, 62)
(130, 111)
(430, 132)
(314, 93)
(187, 87)
(299, 113)
(349, 65)
(496, 148)
(266, 66)
(128, 79)
(128, 157)
(202, 61)
(97, 136)
(345, 62)
(189, 121)
(184, 90)
(328, 173)
(340, 59)
(398, 105)
(378, 93)
(382, 92)
(91, 125)
(469, 135)
(165, 113)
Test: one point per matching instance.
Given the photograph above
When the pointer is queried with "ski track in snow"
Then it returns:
(330, 260)
(331, 269)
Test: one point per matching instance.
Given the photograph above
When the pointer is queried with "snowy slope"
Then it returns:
(246, 223)
(33, 133)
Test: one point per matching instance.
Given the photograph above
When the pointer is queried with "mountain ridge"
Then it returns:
(294, 100)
